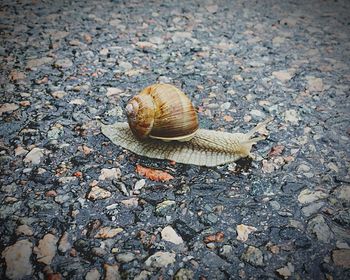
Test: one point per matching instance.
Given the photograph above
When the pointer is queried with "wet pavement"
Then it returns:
(72, 203)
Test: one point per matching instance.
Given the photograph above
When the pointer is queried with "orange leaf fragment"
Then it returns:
(217, 237)
(153, 174)
(228, 118)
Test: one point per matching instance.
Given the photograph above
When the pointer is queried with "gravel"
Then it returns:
(74, 207)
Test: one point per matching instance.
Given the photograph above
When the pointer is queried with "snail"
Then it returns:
(163, 124)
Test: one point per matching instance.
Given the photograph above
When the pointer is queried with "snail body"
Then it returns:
(199, 146)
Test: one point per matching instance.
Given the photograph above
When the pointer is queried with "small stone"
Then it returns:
(98, 251)
(93, 274)
(62, 198)
(254, 256)
(139, 184)
(58, 94)
(34, 156)
(282, 75)
(8, 107)
(312, 208)
(170, 235)
(126, 66)
(257, 113)
(162, 207)
(314, 84)
(341, 258)
(34, 63)
(160, 259)
(20, 151)
(291, 116)
(343, 193)
(184, 274)
(64, 245)
(212, 8)
(243, 231)
(226, 251)
(111, 272)
(225, 106)
(25, 230)
(63, 63)
(146, 45)
(319, 227)
(104, 51)
(286, 271)
(131, 202)
(98, 193)
(17, 258)
(77, 101)
(180, 36)
(342, 245)
(111, 91)
(16, 75)
(46, 250)
(110, 174)
(308, 196)
(108, 232)
(125, 257)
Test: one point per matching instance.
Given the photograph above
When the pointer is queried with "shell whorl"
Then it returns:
(162, 111)
(206, 148)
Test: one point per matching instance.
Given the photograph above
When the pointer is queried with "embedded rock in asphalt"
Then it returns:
(17, 258)
(46, 249)
(254, 256)
(160, 259)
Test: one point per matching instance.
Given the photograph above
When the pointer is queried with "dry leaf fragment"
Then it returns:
(153, 174)
(243, 232)
(276, 150)
(217, 237)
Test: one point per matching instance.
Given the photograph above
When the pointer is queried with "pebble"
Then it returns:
(93, 274)
(282, 75)
(8, 107)
(58, 94)
(286, 271)
(20, 151)
(110, 174)
(63, 63)
(164, 206)
(160, 259)
(312, 208)
(243, 231)
(46, 250)
(307, 196)
(34, 63)
(319, 227)
(17, 258)
(226, 251)
(24, 230)
(343, 193)
(77, 101)
(111, 91)
(64, 244)
(170, 235)
(341, 258)
(125, 257)
(139, 184)
(184, 274)
(314, 84)
(111, 272)
(108, 232)
(34, 156)
(254, 256)
(291, 116)
(98, 193)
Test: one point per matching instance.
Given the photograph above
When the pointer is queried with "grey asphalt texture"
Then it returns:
(73, 205)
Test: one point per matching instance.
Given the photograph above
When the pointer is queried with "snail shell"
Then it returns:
(145, 132)
(162, 111)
